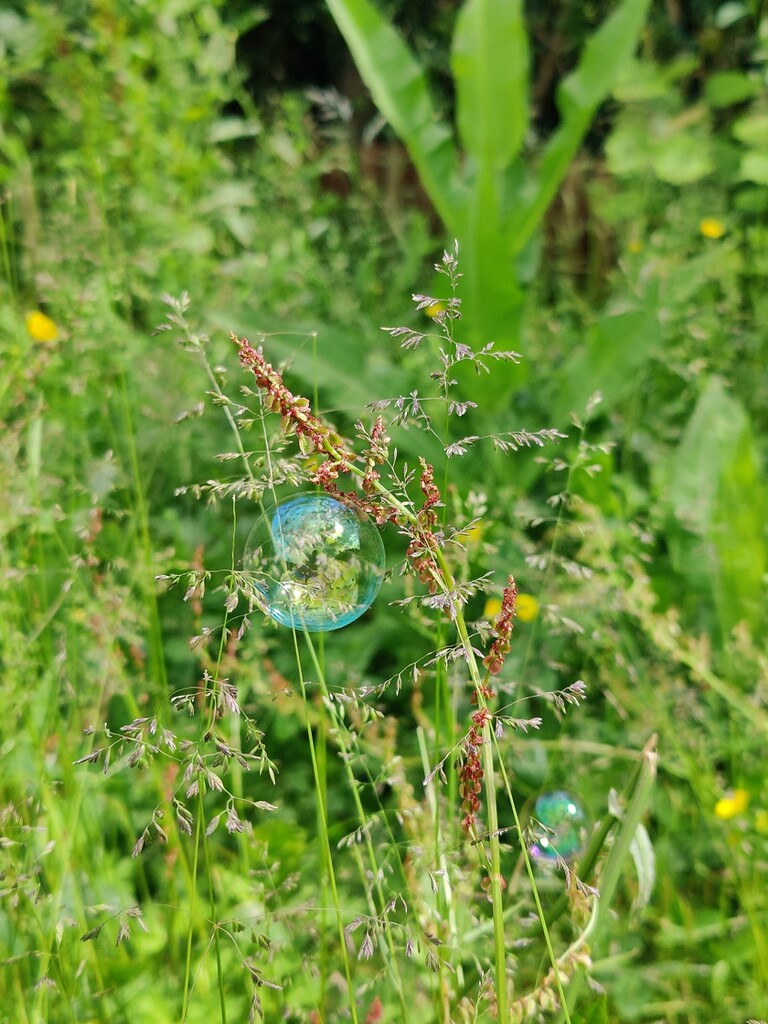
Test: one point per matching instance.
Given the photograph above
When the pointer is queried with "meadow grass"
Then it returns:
(204, 815)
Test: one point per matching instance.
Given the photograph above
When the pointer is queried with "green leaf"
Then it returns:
(730, 13)
(716, 492)
(752, 130)
(754, 167)
(490, 68)
(726, 88)
(580, 94)
(683, 158)
(400, 90)
(645, 865)
(595, 1013)
(617, 348)
(645, 80)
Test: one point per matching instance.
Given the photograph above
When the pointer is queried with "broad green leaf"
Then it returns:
(491, 294)
(681, 281)
(754, 167)
(490, 68)
(738, 533)
(580, 94)
(645, 865)
(400, 90)
(730, 13)
(596, 1012)
(682, 158)
(752, 130)
(645, 80)
(629, 148)
(716, 492)
(726, 88)
(617, 348)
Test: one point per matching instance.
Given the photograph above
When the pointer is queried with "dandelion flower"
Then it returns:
(527, 607)
(635, 246)
(492, 608)
(711, 227)
(732, 806)
(40, 327)
(761, 821)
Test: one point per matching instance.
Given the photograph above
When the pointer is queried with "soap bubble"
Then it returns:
(565, 831)
(317, 563)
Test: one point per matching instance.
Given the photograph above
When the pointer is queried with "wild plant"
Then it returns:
(417, 906)
(486, 191)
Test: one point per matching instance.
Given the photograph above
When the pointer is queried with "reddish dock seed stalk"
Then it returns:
(494, 659)
(295, 412)
(296, 416)
(471, 770)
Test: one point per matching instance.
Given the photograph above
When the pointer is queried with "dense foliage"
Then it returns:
(204, 815)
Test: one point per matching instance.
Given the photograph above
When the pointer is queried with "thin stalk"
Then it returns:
(536, 899)
(352, 783)
(212, 901)
(190, 929)
(324, 837)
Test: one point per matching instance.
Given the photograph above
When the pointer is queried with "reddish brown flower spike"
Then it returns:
(494, 659)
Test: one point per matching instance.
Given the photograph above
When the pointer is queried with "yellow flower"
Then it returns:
(40, 327)
(761, 821)
(472, 535)
(527, 607)
(435, 309)
(635, 245)
(711, 227)
(731, 806)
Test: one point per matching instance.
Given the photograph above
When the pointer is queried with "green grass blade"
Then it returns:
(639, 802)
(400, 90)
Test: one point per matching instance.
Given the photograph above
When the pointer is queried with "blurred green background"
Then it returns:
(297, 168)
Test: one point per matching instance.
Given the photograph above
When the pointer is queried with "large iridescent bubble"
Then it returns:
(565, 826)
(317, 563)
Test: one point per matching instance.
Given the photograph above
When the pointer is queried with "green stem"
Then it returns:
(191, 927)
(212, 901)
(361, 817)
(324, 837)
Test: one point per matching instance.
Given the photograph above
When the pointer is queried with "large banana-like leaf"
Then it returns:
(400, 90)
(604, 56)
(489, 203)
(490, 69)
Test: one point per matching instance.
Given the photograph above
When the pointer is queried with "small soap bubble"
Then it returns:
(317, 563)
(565, 826)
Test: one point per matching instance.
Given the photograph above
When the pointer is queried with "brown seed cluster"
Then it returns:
(376, 456)
(494, 659)
(471, 770)
(295, 412)
(424, 543)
